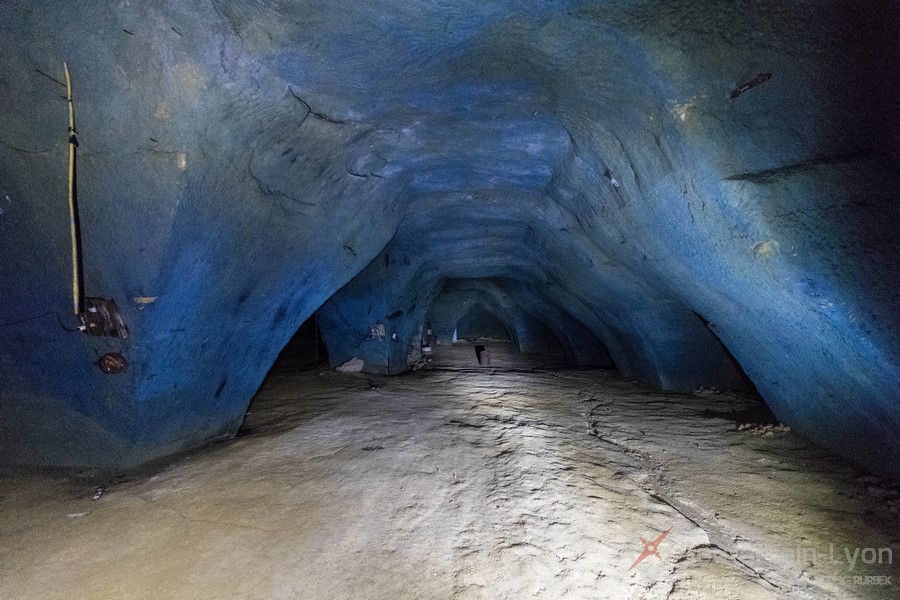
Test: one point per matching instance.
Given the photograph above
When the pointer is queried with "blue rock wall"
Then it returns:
(243, 162)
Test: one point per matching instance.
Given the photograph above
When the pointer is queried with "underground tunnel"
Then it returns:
(429, 299)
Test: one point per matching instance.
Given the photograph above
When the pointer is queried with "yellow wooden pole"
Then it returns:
(73, 142)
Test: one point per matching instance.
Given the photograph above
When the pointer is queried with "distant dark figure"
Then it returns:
(478, 350)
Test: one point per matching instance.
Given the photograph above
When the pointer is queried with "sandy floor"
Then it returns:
(460, 482)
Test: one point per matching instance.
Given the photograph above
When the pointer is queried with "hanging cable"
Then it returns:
(73, 221)
(40, 316)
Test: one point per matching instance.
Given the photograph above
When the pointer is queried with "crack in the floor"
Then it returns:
(654, 471)
(186, 517)
(711, 546)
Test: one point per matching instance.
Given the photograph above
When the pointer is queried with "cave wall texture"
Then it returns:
(243, 163)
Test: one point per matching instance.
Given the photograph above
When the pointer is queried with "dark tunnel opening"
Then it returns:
(479, 323)
(305, 350)
(466, 309)
(742, 382)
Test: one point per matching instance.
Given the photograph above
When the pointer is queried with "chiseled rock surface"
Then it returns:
(243, 162)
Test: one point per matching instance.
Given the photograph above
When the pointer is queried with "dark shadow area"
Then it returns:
(480, 323)
(744, 383)
(543, 340)
(504, 356)
(305, 349)
(757, 413)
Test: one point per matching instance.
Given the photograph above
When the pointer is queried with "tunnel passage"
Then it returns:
(479, 322)
(244, 164)
(534, 328)
(305, 349)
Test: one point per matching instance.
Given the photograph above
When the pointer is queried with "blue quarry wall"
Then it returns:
(607, 167)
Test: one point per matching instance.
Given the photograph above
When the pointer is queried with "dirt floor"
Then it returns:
(514, 481)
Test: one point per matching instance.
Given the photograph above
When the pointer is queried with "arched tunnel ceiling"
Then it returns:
(244, 163)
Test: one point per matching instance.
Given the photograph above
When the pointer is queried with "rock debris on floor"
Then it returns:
(515, 481)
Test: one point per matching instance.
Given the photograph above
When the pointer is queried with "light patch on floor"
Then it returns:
(514, 481)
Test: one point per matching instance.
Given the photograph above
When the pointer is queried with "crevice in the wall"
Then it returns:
(748, 384)
(305, 350)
